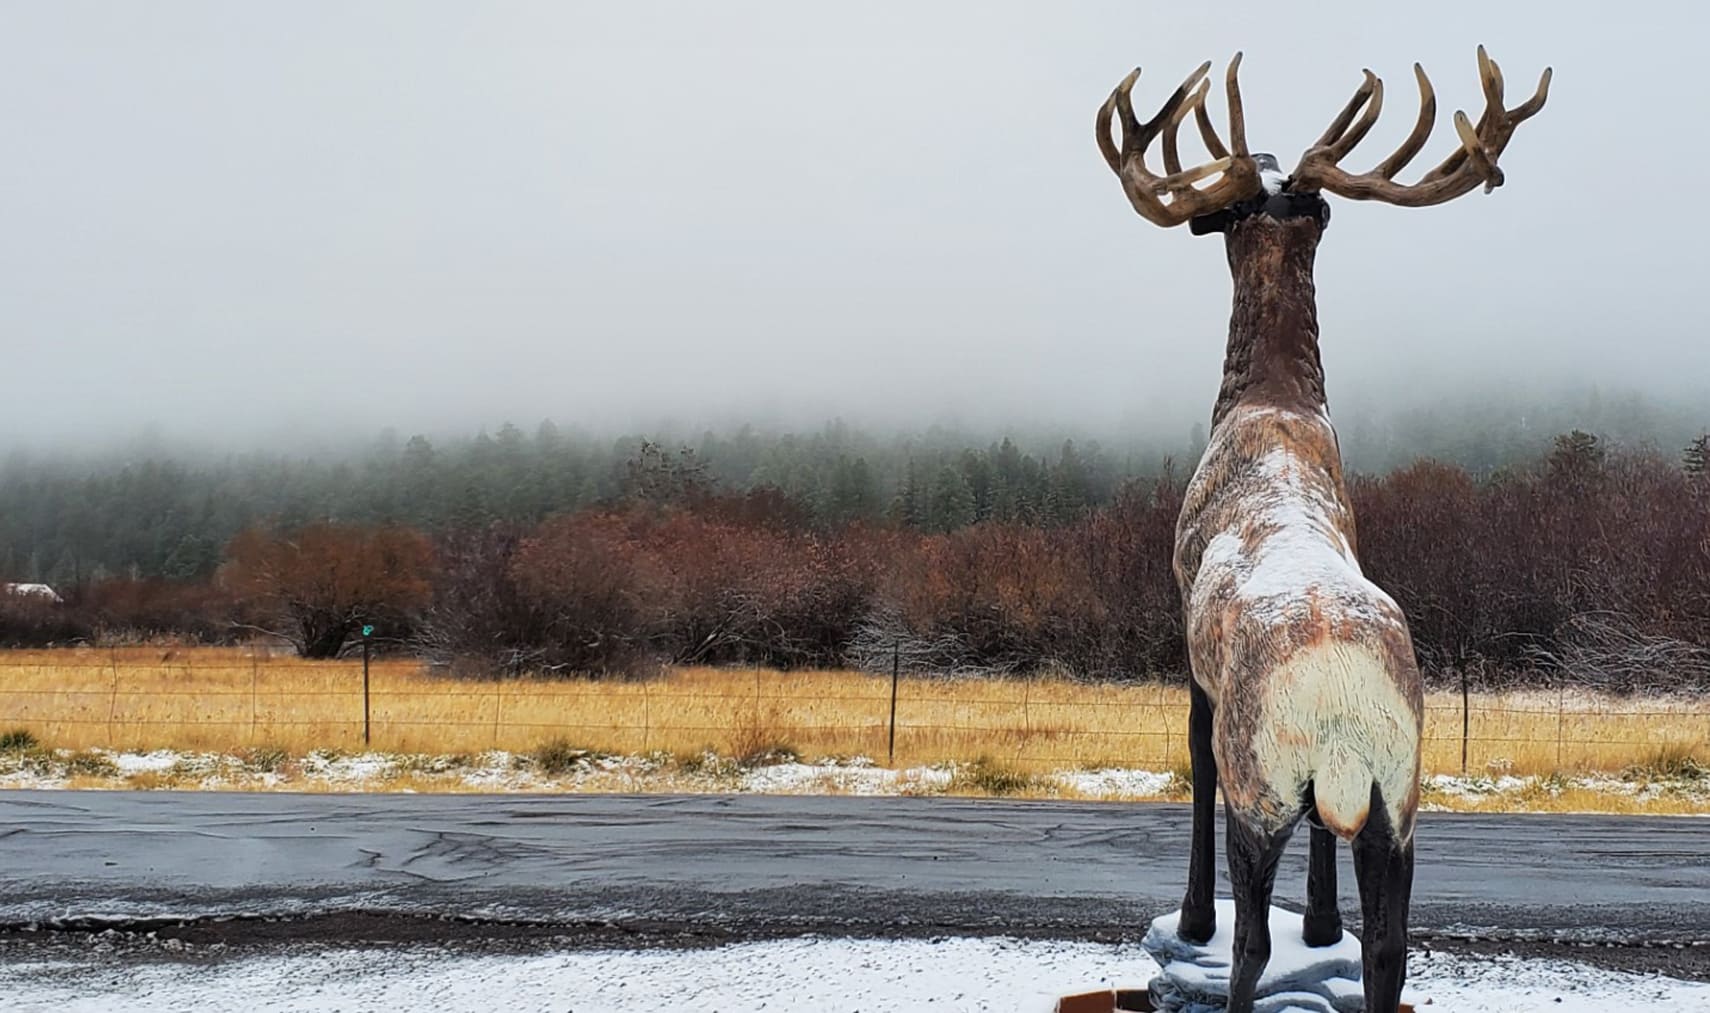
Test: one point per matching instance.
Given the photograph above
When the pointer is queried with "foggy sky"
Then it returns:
(238, 220)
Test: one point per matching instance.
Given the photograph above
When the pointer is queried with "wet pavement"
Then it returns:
(629, 870)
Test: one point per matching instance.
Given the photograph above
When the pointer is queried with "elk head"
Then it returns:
(1247, 183)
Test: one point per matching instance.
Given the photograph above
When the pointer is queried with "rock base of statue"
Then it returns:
(1298, 978)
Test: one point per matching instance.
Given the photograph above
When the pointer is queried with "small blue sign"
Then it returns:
(368, 631)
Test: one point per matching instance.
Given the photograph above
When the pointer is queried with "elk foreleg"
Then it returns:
(1323, 922)
(1384, 867)
(1199, 915)
(1253, 857)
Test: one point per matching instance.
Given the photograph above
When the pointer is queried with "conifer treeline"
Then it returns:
(150, 511)
(69, 523)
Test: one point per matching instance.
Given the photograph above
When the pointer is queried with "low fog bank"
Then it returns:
(1477, 427)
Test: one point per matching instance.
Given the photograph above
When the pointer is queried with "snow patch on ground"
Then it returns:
(1474, 786)
(138, 763)
(337, 769)
(873, 976)
(856, 777)
(1117, 782)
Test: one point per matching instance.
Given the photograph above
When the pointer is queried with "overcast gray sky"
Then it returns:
(266, 217)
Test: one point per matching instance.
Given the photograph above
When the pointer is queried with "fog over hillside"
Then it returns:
(236, 226)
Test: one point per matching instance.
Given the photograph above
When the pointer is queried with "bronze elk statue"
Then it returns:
(1306, 695)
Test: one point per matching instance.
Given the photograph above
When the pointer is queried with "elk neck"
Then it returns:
(1272, 358)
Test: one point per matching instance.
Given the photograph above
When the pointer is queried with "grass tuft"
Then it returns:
(264, 759)
(18, 740)
(769, 753)
(88, 763)
(1673, 762)
(559, 757)
(709, 764)
(989, 777)
(428, 763)
(1180, 785)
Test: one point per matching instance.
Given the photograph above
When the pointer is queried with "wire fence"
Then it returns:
(133, 698)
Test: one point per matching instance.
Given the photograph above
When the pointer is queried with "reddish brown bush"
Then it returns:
(596, 588)
(318, 586)
(152, 609)
(758, 595)
(29, 621)
(1518, 571)
(1129, 547)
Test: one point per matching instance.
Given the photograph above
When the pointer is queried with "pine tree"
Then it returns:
(1577, 456)
(1070, 486)
(853, 494)
(1695, 461)
(1007, 481)
(952, 504)
(976, 471)
(909, 508)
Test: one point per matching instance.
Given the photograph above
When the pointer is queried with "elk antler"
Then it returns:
(1472, 163)
(1240, 178)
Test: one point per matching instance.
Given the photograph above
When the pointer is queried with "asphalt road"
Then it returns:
(651, 869)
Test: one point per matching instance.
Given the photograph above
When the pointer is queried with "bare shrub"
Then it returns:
(317, 586)
(28, 621)
(1607, 651)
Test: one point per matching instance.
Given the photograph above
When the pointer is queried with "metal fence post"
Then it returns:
(366, 729)
(1466, 718)
(113, 700)
(896, 672)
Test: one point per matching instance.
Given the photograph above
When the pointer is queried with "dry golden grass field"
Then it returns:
(222, 699)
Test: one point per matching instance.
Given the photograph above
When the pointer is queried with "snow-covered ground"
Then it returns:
(869, 976)
(498, 771)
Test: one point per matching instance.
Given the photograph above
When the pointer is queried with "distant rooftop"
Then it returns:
(33, 591)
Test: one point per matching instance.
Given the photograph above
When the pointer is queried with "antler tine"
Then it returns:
(1374, 105)
(1483, 163)
(1339, 125)
(1144, 188)
(1208, 133)
(1237, 115)
(1101, 123)
(1490, 76)
(1172, 153)
(1168, 113)
(1472, 162)
(1421, 129)
(1529, 108)
(1133, 134)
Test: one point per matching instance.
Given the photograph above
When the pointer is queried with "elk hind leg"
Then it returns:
(1253, 857)
(1384, 866)
(1199, 915)
(1323, 922)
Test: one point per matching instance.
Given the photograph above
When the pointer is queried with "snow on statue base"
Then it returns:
(1195, 979)
(1298, 979)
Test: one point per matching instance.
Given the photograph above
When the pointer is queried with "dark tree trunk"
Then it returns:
(322, 636)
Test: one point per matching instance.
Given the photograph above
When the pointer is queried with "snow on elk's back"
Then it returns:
(1282, 525)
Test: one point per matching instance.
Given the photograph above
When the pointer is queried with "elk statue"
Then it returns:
(1306, 697)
